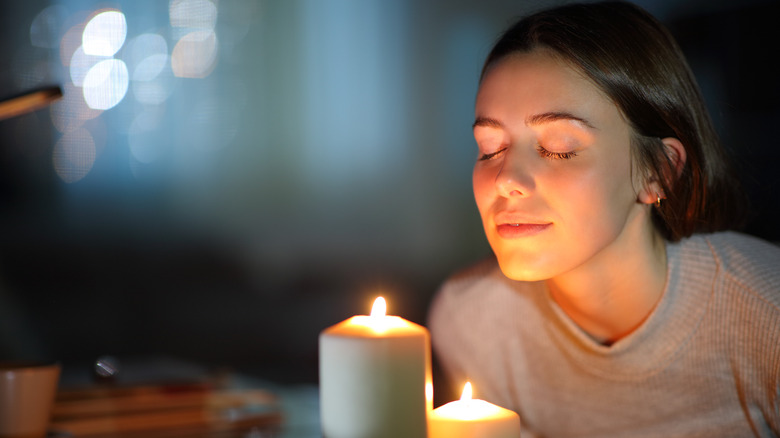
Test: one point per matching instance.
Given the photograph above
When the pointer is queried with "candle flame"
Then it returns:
(466, 391)
(380, 308)
(428, 394)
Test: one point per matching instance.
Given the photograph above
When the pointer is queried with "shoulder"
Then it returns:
(463, 286)
(464, 280)
(482, 295)
(473, 287)
(737, 247)
(746, 262)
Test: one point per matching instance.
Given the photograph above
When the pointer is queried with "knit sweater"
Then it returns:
(706, 362)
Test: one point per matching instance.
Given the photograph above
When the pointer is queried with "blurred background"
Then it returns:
(224, 179)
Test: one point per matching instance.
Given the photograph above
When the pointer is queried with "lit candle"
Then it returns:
(375, 377)
(472, 418)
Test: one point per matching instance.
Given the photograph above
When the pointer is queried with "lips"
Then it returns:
(511, 226)
(514, 231)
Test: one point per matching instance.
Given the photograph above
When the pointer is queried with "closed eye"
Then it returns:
(491, 155)
(544, 153)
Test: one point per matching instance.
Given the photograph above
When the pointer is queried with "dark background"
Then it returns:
(324, 159)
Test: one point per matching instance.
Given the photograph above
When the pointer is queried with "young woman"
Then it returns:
(616, 304)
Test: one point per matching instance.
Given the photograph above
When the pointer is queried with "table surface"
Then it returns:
(167, 398)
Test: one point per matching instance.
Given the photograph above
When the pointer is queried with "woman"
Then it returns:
(616, 304)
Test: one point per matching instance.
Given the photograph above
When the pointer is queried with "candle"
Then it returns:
(472, 418)
(375, 377)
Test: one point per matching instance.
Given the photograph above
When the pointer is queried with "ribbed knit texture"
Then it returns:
(706, 362)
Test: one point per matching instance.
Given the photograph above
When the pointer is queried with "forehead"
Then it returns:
(523, 84)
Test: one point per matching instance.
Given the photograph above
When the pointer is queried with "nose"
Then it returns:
(514, 178)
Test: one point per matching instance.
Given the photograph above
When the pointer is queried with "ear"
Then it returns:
(675, 152)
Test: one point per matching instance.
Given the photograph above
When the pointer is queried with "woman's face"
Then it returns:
(553, 181)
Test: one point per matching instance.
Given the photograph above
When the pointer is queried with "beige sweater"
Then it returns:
(705, 363)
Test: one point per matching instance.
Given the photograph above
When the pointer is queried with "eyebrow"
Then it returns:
(487, 121)
(535, 119)
(538, 119)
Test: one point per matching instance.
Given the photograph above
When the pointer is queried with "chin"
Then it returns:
(519, 271)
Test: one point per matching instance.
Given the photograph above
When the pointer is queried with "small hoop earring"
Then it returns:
(658, 200)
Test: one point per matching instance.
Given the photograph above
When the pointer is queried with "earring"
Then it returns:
(658, 200)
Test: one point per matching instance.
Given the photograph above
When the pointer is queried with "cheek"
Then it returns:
(591, 192)
(481, 184)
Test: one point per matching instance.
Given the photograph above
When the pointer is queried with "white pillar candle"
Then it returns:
(472, 418)
(375, 377)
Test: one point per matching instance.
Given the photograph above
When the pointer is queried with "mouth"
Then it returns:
(518, 230)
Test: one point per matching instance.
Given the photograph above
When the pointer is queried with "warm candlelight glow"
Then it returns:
(428, 393)
(378, 319)
(466, 395)
(468, 408)
(380, 308)
(472, 418)
(375, 377)
(378, 323)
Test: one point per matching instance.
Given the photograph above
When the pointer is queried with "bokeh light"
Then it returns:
(70, 42)
(80, 64)
(147, 56)
(105, 84)
(198, 14)
(194, 56)
(235, 21)
(71, 111)
(105, 34)
(156, 91)
(195, 53)
(47, 26)
(103, 60)
(74, 154)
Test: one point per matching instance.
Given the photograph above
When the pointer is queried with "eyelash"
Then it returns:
(544, 153)
(486, 157)
(555, 155)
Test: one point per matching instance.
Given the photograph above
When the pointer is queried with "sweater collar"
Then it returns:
(652, 346)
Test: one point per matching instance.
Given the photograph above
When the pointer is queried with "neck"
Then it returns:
(612, 294)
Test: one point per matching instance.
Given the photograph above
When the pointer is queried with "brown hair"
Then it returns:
(634, 60)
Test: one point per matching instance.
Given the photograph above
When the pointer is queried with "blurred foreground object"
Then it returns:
(29, 101)
(201, 409)
(106, 369)
(26, 396)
